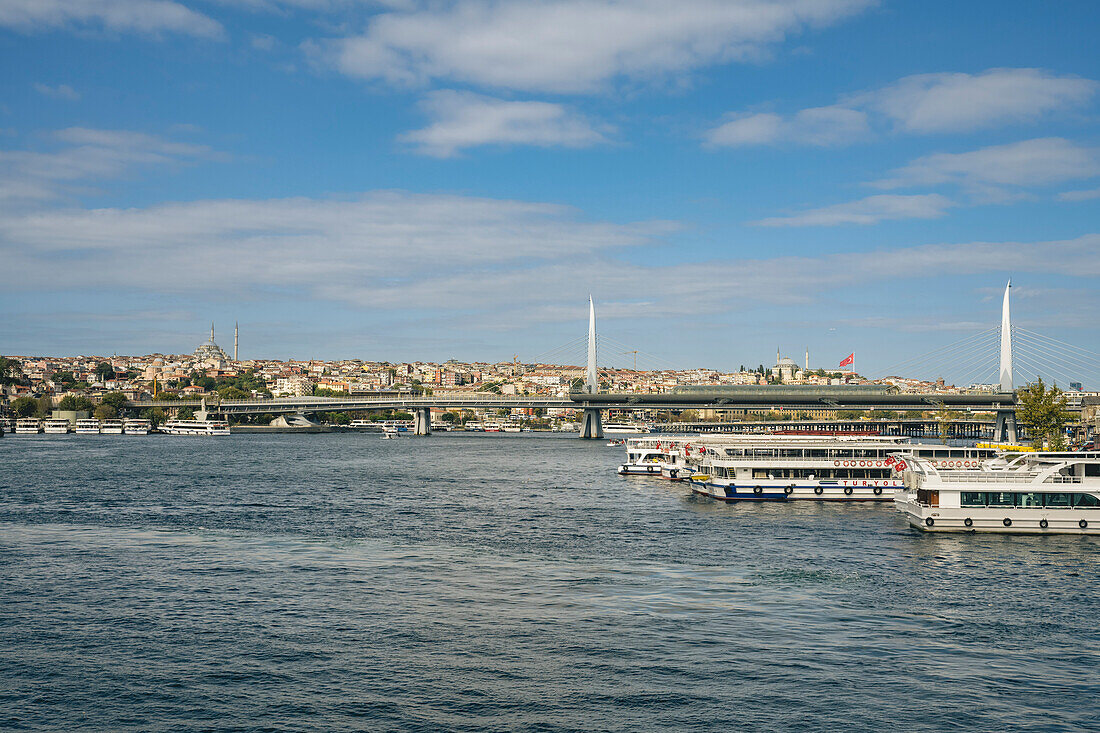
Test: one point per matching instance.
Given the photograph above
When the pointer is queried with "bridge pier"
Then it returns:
(592, 424)
(422, 421)
(1005, 430)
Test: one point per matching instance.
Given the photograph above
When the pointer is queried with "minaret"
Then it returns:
(211, 331)
(1006, 344)
(807, 360)
(235, 332)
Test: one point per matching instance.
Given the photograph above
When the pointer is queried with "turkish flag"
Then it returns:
(850, 360)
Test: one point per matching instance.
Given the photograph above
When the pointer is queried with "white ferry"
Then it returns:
(838, 468)
(624, 428)
(136, 426)
(656, 456)
(56, 426)
(363, 425)
(196, 427)
(87, 426)
(28, 426)
(1033, 493)
(111, 427)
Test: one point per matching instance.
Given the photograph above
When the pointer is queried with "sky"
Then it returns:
(424, 180)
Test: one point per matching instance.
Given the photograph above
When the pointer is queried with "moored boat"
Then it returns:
(1032, 493)
(111, 427)
(196, 427)
(136, 426)
(56, 426)
(28, 426)
(87, 426)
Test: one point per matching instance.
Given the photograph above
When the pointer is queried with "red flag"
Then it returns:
(850, 360)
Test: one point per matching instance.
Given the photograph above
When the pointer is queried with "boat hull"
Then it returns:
(987, 519)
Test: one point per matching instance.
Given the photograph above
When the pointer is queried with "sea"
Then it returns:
(505, 582)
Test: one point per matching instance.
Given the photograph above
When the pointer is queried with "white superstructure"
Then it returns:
(1033, 493)
(624, 428)
(56, 426)
(111, 427)
(196, 427)
(833, 468)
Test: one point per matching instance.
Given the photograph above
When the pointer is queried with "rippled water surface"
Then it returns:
(504, 582)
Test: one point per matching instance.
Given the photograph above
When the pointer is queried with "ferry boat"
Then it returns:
(28, 426)
(1031, 493)
(623, 428)
(196, 427)
(771, 468)
(87, 426)
(111, 427)
(56, 426)
(656, 456)
(136, 426)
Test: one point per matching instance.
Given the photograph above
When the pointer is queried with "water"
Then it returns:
(504, 582)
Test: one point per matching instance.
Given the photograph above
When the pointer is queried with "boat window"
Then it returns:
(1086, 501)
(1029, 500)
(1000, 498)
(1092, 469)
(1059, 499)
(972, 498)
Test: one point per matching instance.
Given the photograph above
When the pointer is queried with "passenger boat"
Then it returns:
(363, 425)
(56, 426)
(28, 426)
(664, 452)
(111, 427)
(1031, 493)
(615, 428)
(136, 426)
(763, 468)
(196, 427)
(87, 426)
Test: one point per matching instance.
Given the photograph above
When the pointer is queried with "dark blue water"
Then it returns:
(504, 582)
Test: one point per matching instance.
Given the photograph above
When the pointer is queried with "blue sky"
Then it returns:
(408, 179)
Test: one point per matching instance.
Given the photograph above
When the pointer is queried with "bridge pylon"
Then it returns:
(422, 421)
(592, 423)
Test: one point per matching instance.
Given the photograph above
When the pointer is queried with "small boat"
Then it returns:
(196, 427)
(614, 443)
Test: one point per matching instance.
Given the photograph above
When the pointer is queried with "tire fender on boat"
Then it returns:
(848, 490)
(1006, 522)
(1043, 523)
(818, 490)
(928, 521)
(758, 490)
(968, 522)
(1083, 524)
(877, 491)
(788, 490)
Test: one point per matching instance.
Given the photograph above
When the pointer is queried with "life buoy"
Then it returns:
(1006, 522)
(968, 522)
(877, 490)
(1043, 523)
(836, 463)
(878, 464)
(818, 490)
(863, 464)
(1083, 524)
(788, 490)
(758, 490)
(928, 521)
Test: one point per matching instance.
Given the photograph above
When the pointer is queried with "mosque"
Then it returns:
(212, 355)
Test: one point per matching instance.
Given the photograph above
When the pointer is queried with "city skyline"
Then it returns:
(349, 182)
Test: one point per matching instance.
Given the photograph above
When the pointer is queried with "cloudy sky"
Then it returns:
(423, 179)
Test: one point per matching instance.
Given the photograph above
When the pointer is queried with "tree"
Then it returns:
(1044, 412)
(75, 403)
(944, 418)
(117, 400)
(24, 407)
(11, 372)
(449, 417)
(104, 371)
(154, 415)
(105, 412)
(848, 414)
(65, 379)
(186, 413)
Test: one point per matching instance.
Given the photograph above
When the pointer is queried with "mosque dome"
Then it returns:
(209, 351)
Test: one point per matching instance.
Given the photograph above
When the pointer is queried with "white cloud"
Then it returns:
(87, 155)
(61, 91)
(1027, 163)
(1080, 195)
(464, 120)
(137, 16)
(925, 103)
(570, 45)
(816, 126)
(870, 210)
(928, 103)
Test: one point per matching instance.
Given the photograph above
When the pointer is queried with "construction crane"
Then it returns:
(635, 353)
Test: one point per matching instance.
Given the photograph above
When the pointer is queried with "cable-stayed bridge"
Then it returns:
(1001, 400)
